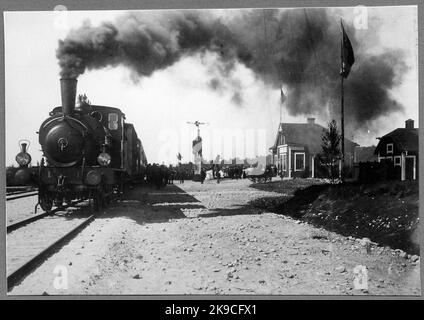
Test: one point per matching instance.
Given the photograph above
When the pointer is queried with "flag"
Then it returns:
(197, 147)
(347, 56)
(283, 96)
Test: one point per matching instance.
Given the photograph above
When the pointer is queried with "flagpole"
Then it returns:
(342, 129)
(347, 60)
(342, 102)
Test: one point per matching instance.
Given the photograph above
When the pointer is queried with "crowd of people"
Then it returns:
(161, 175)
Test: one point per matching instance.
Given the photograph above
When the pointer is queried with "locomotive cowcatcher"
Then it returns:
(89, 152)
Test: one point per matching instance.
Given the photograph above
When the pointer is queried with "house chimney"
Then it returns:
(68, 91)
(409, 124)
(311, 120)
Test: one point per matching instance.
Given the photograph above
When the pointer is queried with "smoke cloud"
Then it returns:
(297, 48)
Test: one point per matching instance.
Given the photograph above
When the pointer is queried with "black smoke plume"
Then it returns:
(298, 48)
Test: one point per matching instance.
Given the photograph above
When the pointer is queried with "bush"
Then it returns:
(370, 172)
(10, 175)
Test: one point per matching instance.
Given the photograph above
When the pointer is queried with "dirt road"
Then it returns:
(206, 239)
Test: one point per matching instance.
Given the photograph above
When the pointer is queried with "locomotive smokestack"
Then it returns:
(68, 90)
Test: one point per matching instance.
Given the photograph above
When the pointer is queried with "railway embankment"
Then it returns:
(384, 212)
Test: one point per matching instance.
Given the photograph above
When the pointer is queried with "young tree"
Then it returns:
(331, 153)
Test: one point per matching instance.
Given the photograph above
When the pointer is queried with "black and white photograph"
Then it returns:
(213, 152)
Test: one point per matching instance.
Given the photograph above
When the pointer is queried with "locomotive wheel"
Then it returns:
(58, 203)
(99, 200)
(68, 201)
(102, 199)
(94, 201)
(108, 194)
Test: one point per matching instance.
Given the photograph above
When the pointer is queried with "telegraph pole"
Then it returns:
(197, 144)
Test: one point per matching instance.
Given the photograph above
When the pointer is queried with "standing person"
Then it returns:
(203, 175)
(149, 173)
(218, 176)
(171, 175)
(182, 173)
(164, 175)
(156, 176)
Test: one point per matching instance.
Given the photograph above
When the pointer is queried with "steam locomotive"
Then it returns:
(89, 152)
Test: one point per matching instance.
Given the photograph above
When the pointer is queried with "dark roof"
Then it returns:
(307, 134)
(405, 139)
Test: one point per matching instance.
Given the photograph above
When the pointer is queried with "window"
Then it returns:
(389, 148)
(299, 161)
(397, 161)
(284, 162)
(113, 121)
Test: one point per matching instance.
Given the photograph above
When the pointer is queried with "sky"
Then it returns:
(160, 105)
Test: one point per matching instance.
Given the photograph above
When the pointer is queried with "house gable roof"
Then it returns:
(405, 139)
(307, 134)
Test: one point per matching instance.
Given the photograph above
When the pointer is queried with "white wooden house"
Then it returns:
(296, 148)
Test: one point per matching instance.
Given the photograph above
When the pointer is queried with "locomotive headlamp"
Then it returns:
(23, 159)
(104, 159)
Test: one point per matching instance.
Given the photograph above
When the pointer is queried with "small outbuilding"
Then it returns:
(400, 147)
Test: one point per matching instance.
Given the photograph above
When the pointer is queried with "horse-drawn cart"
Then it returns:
(261, 173)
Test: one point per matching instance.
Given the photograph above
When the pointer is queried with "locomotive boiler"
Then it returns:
(89, 152)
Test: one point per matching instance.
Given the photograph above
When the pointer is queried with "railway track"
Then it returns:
(31, 243)
(20, 195)
(18, 190)
(16, 225)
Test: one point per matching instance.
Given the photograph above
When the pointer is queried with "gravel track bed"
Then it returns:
(20, 209)
(26, 242)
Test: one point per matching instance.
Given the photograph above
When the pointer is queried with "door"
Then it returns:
(409, 168)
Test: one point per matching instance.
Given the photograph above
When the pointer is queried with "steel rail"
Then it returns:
(16, 225)
(15, 277)
(13, 197)
(14, 193)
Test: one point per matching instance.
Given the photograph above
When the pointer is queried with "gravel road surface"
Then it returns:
(205, 239)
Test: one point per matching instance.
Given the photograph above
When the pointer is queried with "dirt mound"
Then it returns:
(386, 213)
